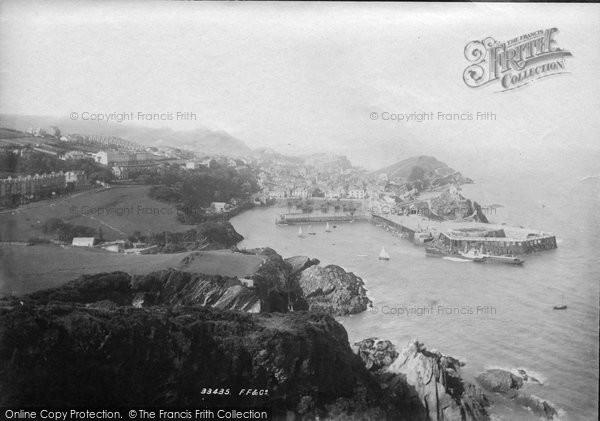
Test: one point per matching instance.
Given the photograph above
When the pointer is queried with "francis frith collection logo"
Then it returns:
(516, 62)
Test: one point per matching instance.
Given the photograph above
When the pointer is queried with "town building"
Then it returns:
(25, 188)
(73, 155)
(31, 187)
(218, 206)
(356, 193)
(115, 158)
(83, 241)
(76, 179)
(277, 194)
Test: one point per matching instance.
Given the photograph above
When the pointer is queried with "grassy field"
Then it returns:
(27, 269)
(10, 137)
(119, 211)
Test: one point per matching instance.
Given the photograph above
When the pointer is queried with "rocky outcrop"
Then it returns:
(217, 235)
(537, 405)
(502, 381)
(332, 290)
(299, 263)
(510, 385)
(375, 353)
(427, 382)
(272, 281)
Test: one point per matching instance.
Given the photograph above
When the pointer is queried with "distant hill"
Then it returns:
(201, 140)
(401, 170)
(271, 155)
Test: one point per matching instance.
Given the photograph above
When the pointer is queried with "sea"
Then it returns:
(486, 315)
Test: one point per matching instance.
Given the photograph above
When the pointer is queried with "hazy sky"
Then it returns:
(302, 77)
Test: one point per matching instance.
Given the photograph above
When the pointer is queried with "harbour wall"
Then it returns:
(299, 218)
(499, 245)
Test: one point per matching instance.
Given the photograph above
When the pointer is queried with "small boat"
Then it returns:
(561, 306)
(457, 259)
(383, 255)
(435, 252)
(300, 233)
(511, 260)
(327, 228)
(310, 232)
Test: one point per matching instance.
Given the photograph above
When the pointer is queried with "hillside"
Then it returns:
(28, 269)
(201, 140)
(401, 170)
(119, 211)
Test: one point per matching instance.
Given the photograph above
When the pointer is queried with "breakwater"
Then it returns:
(456, 236)
(300, 218)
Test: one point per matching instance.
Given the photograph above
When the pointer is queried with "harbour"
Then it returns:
(451, 236)
(552, 344)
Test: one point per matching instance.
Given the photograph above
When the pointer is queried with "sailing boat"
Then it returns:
(300, 234)
(327, 228)
(383, 254)
(562, 305)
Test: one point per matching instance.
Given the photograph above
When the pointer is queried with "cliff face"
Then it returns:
(218, 235)
(111, 339)
(68, 354)
(427, 382)
(275, 287)
(163, 288)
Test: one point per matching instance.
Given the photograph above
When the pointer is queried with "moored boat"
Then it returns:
(383, 255)
(435, 252)
(473, 255)
(561, 306)
(510, 260)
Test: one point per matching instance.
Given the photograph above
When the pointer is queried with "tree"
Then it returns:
(417, 173)
(317, 193)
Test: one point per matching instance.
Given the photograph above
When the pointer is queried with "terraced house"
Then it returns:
(23, 189)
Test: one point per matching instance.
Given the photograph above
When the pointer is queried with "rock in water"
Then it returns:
(502, 381)
(537, 405)
(332, 290)
(431, 381)
(509, 385)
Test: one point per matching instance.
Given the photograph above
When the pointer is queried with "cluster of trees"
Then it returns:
(193, 191)
(418, 179)
(206, 235)
(66, 231)
(33, 162)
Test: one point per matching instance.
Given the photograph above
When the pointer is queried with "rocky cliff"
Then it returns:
(163, 288)
(299, 283)
(68, 354)
(426, 382)
(113, 339)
